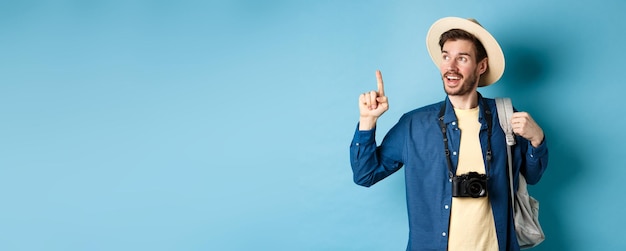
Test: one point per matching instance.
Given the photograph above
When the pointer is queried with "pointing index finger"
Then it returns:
(381, 87)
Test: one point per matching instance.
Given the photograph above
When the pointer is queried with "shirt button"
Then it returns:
(449, 180)
(358, 144)
(443, 234)
(446, 207)
(454, 153)
(453, 123)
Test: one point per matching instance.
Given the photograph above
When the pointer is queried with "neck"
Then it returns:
(468, 101)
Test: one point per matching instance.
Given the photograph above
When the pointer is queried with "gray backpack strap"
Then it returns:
(505, 111)
(525, 207)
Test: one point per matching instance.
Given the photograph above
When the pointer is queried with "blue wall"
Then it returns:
(195, 125)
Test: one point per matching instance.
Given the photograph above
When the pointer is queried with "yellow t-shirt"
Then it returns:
(471, 220)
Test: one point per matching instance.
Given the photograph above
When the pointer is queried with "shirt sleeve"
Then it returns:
(371, 163)
(536, 162)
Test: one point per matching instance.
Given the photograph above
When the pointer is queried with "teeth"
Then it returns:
(453, 78)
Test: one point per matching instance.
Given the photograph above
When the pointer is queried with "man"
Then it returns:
(454, 151)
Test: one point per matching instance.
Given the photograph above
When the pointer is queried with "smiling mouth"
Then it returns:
(452, 76)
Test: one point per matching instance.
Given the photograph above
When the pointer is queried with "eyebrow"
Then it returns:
(462, 53)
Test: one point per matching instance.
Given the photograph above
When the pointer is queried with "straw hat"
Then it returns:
(494, 52)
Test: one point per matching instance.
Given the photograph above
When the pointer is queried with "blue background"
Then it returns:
(203, 125)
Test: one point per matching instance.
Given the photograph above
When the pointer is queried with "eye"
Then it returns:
(462, 59)
(445, 57)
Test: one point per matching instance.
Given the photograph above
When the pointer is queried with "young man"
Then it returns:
(454, 151)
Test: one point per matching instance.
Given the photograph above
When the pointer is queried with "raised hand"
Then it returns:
(524, 125)
(372, 105)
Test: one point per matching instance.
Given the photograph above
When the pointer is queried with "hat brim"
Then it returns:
(494, 52)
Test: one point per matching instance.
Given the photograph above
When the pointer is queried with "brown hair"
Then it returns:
(458, 34)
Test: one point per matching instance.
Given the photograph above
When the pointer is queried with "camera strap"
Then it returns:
(487, 115)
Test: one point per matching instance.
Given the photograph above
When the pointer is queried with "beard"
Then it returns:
(468, 86)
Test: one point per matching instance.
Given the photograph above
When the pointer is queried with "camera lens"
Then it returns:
(475, 188)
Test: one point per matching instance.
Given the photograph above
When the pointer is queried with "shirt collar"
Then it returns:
(449, 115)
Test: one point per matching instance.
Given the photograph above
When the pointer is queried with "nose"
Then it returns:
(451, 65)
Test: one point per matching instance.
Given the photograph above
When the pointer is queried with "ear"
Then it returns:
(483, 65)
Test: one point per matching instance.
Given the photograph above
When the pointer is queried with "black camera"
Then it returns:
(471, 184)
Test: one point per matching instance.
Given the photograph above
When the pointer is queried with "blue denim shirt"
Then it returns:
(416, 142)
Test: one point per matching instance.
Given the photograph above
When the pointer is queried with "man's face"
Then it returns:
(459, 70)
